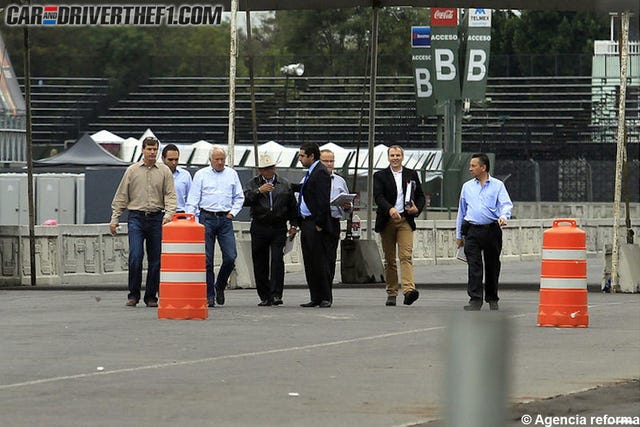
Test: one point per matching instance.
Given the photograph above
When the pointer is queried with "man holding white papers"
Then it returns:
(399, 197)
(338, 186)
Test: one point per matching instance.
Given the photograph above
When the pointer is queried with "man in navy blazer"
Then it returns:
(399, 197)
(315, 225)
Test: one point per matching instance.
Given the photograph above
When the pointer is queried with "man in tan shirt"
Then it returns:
(147, 192)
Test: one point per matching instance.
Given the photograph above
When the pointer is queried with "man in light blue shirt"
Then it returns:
(485, 207)
(216, 193)
(181, 177)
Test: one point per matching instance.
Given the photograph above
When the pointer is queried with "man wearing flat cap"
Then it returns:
(272, 204)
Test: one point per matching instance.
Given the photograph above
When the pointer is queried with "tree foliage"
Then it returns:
(336, 42)
(546, 42)
(95, 51)
(329, 43)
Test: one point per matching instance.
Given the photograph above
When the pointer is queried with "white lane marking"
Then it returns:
(216, 358)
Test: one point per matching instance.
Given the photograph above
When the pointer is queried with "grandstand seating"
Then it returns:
(62, 106)
(531, 110)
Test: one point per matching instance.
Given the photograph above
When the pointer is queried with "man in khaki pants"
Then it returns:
(399, 197)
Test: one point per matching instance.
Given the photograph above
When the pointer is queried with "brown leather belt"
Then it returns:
(145, 213)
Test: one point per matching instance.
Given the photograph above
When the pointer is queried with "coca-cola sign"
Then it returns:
(444, 17)
(443, 14)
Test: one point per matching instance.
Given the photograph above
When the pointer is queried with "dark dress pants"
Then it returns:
(483, 241)
(267, 252)
(144, 229)
(315, 248)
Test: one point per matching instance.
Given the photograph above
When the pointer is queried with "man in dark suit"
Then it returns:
(315, 224)
(399, 197)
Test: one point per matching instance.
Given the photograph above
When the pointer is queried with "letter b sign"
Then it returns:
(477, 69)
(445, 68)
(424, 88)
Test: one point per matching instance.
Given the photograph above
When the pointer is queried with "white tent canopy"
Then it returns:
(285, 156)
(200, 155)
(131, 148)
(272, 148)
(106, 137)
(128, 149)
(197, 154)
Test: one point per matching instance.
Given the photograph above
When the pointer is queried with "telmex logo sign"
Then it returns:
(420, 36)
(480, 18)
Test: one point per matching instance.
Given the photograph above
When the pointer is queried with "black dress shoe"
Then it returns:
(391, 301)
(211, 302)
(473, 307)
(325, 304)
(410, 297)
(220, 296)
(493, 305)
(310, 304)
(264, 303)
(277, 301)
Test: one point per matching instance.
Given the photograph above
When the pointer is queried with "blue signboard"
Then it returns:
(420, 36)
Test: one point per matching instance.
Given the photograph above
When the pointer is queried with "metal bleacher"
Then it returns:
(61, 106)
(517, 110)
(185, 110)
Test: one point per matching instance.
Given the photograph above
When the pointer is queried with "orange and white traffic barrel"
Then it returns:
(563, 277)
(183, 286)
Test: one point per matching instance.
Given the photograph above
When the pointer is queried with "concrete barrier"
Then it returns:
(88, 254)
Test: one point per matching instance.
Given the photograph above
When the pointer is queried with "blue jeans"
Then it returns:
(221, 228)
(144, 228)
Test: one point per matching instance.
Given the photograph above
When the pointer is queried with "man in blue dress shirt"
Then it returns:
(217, 193)
(181, 177)
(485, 207)
(315, 224)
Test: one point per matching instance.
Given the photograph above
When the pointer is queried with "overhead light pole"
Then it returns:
(233, 59)
(291, 70)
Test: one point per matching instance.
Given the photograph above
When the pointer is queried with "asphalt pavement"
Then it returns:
(80, 357)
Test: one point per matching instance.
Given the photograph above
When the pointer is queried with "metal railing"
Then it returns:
(609, 47)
